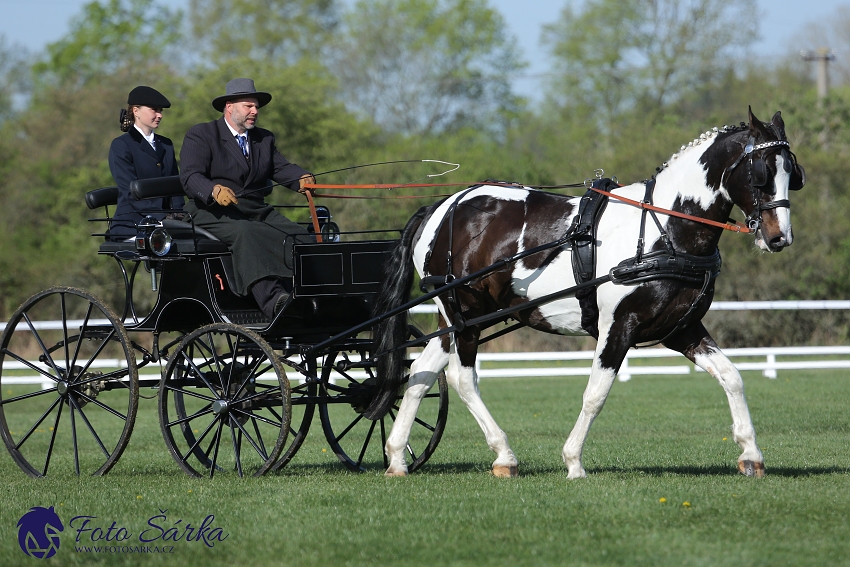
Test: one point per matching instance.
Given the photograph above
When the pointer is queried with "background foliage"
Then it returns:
(378, 81)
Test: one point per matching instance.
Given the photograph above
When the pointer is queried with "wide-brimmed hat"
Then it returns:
(240, 88)
(147, 96)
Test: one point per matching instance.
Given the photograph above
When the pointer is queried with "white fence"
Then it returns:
(541, 364)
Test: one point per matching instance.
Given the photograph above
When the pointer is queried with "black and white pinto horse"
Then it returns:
(750, 166)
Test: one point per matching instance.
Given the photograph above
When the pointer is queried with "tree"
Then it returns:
(273, 30)
(427, 66)
(14, 77)
(117, 37)
(617, 55)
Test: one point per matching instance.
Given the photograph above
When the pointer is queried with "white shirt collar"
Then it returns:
(234, 132)
(148, 138)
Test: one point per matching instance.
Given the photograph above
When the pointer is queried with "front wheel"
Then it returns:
(224, 403)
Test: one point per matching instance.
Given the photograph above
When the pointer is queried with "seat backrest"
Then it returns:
(157, 187)
(102, 197)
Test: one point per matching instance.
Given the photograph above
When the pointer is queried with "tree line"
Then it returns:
(379, 80)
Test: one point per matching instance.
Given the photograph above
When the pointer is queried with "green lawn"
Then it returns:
(661, 488)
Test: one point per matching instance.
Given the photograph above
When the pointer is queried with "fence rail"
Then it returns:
(546, 364)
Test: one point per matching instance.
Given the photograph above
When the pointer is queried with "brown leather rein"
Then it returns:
(733, 226)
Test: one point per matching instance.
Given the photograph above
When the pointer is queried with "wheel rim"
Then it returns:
(69, 392)
(303, 398)
(358, 442)
(224, 403)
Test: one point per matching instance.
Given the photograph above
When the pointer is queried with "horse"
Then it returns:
(750, 166)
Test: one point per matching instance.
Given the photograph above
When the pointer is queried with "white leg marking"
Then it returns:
(423, 375)
(598, 386)
(718, 365)
(465, 381)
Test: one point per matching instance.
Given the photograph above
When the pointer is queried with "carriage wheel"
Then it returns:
(359, 442)
(224, 403)
(303, 398)
(68, 385)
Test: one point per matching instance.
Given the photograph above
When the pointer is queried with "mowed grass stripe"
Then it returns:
(657, 438)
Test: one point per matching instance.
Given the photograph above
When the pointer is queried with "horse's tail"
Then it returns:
(394, 291)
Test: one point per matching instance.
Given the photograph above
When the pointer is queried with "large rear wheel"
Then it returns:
(359, 442)
(68, 384)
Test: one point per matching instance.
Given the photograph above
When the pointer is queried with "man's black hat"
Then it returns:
(146, 96)
(240, 88)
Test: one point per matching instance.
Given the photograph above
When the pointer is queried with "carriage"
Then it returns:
(489, 254)
(236, 392)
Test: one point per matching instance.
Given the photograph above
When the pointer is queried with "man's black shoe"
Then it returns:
(280, 302)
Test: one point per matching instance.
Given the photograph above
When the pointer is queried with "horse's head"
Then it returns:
(761, 172)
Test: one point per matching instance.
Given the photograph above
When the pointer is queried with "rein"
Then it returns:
(734, 226)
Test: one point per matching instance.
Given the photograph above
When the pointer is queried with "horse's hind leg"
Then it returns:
(696, 344)
(461, 376)
(423, 374)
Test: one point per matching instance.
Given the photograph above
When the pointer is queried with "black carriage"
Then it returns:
(236, 392)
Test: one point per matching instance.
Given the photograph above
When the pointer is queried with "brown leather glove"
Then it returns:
(224, 195)
(308, 178)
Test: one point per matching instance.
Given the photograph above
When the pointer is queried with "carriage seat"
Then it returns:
(186, 239)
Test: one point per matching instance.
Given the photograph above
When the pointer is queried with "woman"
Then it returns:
(140, 154)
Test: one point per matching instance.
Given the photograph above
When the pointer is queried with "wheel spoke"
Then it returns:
(236, 445)
(259, 417)
(347, 429)
(27, 396)
(184, 458)
(242, 431)
(89, 425)
(217, 442)
(190, 393)
(204, 411)
(74, 434)
(37, 423)
(44, 350)
(82, 329)
(366, 442)
(52, 440)
(102, 405)
(31, 366)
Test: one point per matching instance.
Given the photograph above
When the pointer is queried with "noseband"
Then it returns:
(754, 218)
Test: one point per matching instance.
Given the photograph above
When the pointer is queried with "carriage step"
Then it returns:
(246, 317)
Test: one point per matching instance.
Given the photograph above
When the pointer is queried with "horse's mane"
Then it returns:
(704, 137)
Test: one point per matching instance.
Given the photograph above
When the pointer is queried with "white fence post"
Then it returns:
(770, 371)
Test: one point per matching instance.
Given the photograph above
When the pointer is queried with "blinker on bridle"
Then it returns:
(757, 176)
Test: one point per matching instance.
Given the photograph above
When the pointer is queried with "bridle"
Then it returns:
(757, 176)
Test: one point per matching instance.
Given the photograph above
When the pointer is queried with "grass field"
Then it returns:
(661, 488)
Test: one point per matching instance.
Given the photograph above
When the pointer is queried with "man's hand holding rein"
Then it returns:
(224, 196)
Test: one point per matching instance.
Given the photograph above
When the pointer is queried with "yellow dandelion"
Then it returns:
(190, 490)
(725, 438)
(662, 500)
(324, 450)
(139, 497)
(686, 504)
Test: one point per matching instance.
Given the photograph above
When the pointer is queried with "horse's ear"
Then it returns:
(778, 124)
(754, 122)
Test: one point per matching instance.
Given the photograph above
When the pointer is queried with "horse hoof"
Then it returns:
(502, 471)
(395, 473)
(751, 468)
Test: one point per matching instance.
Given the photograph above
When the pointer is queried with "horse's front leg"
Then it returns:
(698, 346)
(461, 376)
(423, 374)
(610, 352)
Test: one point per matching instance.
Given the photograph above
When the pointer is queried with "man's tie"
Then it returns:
(243, 143)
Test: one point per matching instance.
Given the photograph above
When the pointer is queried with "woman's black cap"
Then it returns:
(147, 96)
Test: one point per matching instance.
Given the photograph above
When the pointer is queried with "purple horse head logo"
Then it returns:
(38, 532)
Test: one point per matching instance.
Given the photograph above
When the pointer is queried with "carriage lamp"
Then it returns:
(152, 237)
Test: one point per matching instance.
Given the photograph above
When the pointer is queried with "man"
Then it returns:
(225, 167)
